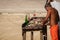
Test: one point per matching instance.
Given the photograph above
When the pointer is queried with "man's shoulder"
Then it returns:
(53, 9)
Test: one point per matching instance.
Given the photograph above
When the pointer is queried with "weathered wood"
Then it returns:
(34, 28)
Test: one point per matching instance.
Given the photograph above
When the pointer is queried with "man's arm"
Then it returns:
(47, 16)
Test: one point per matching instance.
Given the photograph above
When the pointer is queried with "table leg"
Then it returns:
(41, 35)
(31, 35)
(24, 35)
(45, 33)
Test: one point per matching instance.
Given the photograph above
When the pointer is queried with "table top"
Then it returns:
(34, 27)
(38, 27)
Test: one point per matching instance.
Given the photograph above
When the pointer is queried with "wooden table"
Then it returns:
(36, 28)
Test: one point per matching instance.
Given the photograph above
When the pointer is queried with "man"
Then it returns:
(53, 16)
(55, 4)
